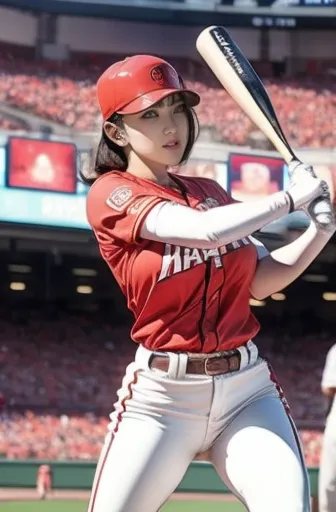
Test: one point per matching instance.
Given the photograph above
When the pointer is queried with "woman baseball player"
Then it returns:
(182, 252)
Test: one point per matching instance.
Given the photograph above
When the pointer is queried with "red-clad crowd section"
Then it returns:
(306, 105)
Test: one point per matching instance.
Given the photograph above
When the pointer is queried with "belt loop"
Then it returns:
(182, 367)
(244, 359)
(253, 351)
(173, 369)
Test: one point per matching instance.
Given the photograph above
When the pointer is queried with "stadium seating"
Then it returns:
(79, 437)
(65, 93)
(50, 436)
(62, 364)
(60, 376)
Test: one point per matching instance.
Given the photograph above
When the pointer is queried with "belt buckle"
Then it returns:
(229, 359)
(211, 373)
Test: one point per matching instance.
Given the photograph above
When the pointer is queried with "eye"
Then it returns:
(180, 108)
(149, 114)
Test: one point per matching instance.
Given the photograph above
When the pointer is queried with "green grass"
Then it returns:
(201, 506)
(81, 506)
(44, 506)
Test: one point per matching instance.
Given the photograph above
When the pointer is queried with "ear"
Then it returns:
(115, 134)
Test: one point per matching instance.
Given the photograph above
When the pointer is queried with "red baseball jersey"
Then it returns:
(194, 300)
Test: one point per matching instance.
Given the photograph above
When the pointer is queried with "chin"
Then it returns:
(174, 161)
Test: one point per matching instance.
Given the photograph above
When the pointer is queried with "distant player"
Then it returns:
(44, 481)
(183, 255)
(327, 475)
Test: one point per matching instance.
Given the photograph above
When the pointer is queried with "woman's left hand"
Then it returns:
(324, 201)
(316, 207)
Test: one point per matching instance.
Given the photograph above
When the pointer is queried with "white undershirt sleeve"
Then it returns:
(176, 224)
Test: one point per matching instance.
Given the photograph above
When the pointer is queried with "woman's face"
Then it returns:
(160, 133)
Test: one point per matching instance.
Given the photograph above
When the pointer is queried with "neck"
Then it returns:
(148, 170)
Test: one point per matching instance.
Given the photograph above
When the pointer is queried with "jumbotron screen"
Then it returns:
(39, 184)
(41, 165)
(253, 177)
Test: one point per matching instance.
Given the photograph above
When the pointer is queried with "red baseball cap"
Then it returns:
(134, 84)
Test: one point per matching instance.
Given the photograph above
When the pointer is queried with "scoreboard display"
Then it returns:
(279, 14)
(39, 184)
(41, 165)
(256, 177)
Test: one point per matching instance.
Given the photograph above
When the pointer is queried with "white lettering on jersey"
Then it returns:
(176, 259)
(191, 258)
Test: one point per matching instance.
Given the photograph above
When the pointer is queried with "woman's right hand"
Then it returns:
(305, 186)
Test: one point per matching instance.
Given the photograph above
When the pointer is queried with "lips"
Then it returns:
(172, 144)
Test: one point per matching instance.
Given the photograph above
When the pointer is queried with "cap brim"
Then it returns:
(148, 100)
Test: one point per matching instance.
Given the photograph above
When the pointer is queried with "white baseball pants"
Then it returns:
(163, 420)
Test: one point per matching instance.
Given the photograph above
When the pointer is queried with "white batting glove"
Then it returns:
(321, 211)
(304, 185)
(296, 168)
(318, 208)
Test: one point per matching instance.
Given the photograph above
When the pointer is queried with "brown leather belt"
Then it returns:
(216, 364)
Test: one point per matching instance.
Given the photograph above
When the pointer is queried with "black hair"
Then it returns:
(108, 156)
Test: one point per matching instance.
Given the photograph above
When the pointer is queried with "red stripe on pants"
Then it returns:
(102, 460)
(294, 430)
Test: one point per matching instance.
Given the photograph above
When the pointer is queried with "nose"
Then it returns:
(170, 126)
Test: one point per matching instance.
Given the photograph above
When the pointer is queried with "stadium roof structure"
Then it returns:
(263, 13)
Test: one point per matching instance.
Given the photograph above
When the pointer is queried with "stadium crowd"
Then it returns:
(31, 435)
(62, 363)
(59, 379)
(65, 93)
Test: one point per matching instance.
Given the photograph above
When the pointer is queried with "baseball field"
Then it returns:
(81, 506)
(15, 500)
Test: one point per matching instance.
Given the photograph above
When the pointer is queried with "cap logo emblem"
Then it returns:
(157, 75)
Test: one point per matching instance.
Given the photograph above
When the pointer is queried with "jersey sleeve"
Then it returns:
(116, 208)
(329, 372)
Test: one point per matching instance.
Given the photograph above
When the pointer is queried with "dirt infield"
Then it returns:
(31, 494)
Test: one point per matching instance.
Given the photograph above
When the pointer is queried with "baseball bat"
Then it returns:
(235, 73)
